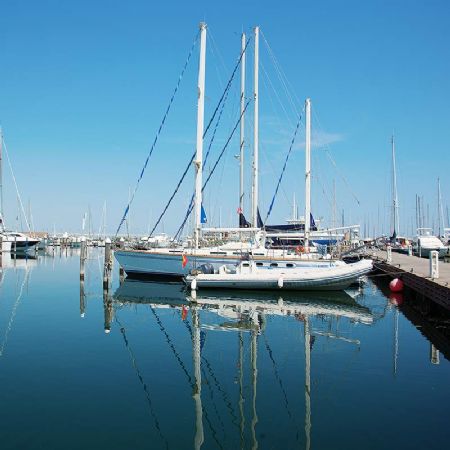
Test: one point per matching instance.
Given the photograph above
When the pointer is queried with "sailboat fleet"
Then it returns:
(253, 255)
(303, 268)
(424, 242)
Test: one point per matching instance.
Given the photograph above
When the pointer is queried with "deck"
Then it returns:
(415, 273)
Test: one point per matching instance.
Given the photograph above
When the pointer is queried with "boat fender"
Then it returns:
(280, 282)
(194, 284)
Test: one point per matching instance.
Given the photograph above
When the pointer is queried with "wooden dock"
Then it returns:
(415, 274)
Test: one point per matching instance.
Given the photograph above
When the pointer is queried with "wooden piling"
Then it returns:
(107, 267)
(82, 257)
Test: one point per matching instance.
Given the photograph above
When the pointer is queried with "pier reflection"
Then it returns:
(242, 313)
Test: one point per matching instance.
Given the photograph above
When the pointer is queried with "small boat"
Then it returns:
(426, 243)
(18, 242)
(247, 275)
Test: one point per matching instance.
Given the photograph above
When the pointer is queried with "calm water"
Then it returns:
(249, 371)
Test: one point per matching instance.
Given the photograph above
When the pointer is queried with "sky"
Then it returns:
(84, 86)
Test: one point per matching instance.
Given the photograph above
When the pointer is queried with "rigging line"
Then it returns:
(283, 169)
(283, 78)
(276, 95)
(208, 421)
(211, 141)
(144, 385)
(127, 209)
(15, 185)
(225, 397)
(172, 347)
(13, 314)
(333, 162)
(191, 207)
(211, 394)
(222, 99)
(277, 377)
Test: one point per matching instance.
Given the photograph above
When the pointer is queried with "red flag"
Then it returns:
(184, 261)
(184, 312)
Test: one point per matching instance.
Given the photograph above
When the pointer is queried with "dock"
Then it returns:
(415, 274)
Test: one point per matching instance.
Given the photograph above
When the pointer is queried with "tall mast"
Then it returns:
(307, 170)
(440, 210)
(307, 384)
(200, 125)
(2, 225)
(255, 133)
(197, 395)
(241, 154)
(394, 187)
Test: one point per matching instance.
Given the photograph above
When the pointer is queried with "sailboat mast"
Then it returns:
(440, 211)
(242, 129)
(200, 125)
(394, 186)
(255, 133)
(307, 170)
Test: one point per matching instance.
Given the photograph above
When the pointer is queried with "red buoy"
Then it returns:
(396, 285)
(396, 298)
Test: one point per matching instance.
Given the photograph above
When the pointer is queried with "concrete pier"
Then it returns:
(416, 274)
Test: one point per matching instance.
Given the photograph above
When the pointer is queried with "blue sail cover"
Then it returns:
(203, 218)
(243, 223)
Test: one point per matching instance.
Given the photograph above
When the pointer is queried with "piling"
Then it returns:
(82, 257)
(434, 264)
(107, 267)
(82, 299)
(121, 275)
(108, 311)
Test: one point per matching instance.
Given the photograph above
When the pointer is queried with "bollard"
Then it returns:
(108, 312)
(434, 355)
(82, 299)
(434, 264)
(108, 264)
(82, 257)
(121, 275)
(410, 252)
(389, 254)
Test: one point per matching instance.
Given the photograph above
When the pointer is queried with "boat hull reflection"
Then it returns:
(337, 304)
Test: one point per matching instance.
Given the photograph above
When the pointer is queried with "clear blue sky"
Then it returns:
(83, 86)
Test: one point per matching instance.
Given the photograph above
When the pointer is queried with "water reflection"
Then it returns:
(241, 313)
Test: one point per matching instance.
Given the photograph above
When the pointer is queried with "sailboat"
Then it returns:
(179, 261)
(11, 240)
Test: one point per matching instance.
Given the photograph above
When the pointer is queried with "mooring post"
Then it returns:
(434, 355)
(82, 299)
(434, 264)
(108, 311)
(82, 257)
(389, 254)
(107, 265)
(121, 274)
(410, 250)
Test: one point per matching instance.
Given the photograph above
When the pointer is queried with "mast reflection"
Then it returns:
(241, 312)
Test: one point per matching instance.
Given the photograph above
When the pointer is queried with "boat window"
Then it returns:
(245, 264)
(259, 264)
(289, 265)
(217, 253)
(274, 265)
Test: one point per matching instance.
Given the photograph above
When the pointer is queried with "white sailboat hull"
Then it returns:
(149, 264)
(332, 278)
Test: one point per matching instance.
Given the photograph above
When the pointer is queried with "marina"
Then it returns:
(223, 230)
(246, 369)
